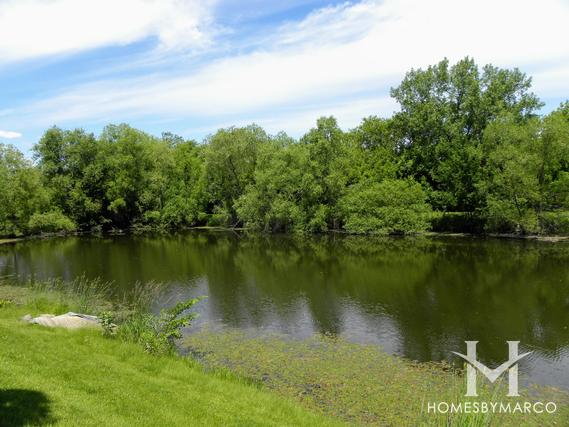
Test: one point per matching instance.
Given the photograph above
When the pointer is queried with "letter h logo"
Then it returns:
(510, 365)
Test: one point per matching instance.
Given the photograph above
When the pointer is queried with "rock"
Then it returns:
(68, 321)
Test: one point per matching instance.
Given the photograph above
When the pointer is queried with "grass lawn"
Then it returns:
(82, 378)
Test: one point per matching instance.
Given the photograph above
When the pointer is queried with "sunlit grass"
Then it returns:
(78, 378)
(79, 373)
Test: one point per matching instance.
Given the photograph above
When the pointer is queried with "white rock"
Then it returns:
(68, 321)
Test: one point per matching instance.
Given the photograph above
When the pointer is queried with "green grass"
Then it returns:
(360, 383)
(82, 378)
(77, 378)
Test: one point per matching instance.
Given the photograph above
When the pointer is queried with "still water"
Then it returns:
(420, 298)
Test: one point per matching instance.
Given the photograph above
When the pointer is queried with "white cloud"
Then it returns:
(330, 25)
(32, 28)
(297, 121)
(348, 112)
(9, 134)
(352, 51)
(552, 81)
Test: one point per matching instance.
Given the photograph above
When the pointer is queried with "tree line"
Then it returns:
(467, 151)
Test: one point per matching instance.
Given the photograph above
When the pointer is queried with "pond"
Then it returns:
(420, 298)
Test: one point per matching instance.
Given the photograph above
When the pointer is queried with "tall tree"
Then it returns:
(21, 192)
(444, 111)
(131, 189)
(73, 171)
(285, 194)
(185, 184)
(527, 171)
(327, 146)
(230, 158)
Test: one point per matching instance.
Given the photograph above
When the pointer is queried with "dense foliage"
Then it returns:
(466, 143)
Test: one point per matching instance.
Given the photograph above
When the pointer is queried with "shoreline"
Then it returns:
(12, 240)
(326, 376)
(538, 238)
(531, 237)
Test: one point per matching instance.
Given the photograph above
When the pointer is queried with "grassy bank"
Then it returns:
(82, 378)
(229, 378)
(361, 384)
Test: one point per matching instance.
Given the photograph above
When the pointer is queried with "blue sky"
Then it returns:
(193, 66)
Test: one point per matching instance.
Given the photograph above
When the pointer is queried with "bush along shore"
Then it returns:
(135, 370)
(467, 151)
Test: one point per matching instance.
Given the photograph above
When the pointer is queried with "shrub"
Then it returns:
(503, 216)
(317, 223)
(456, 222)
(390, 207)
(50, 222)
(221, 217)
(106, 320)
(554, 222)
(157, 334)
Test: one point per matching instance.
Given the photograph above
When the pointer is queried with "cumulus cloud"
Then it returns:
(336, 58)
(35, 28)
(9, 134)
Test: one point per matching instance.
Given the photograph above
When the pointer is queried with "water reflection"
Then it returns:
(420, 298)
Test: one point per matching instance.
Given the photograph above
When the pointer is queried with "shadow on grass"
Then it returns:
(24, 407)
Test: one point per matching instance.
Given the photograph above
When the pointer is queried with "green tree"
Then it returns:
(230, 157)
(285, 194)
(527, 171)
(465, 139)
(21, 192)
(73, 170)
(444, 112)
(553, 148)
(185, 184)
(130, 190)
(511, 183)
(327, 147)
(372, 152)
